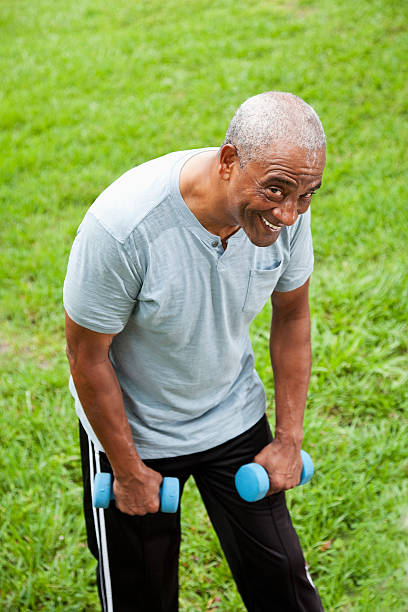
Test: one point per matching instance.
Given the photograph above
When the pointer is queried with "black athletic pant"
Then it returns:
(138, 556)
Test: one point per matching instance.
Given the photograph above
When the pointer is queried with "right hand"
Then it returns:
(138, 493)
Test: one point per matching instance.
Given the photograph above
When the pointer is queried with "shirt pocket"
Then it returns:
(261, 284)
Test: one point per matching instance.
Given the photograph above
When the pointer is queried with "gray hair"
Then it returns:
(272, 117)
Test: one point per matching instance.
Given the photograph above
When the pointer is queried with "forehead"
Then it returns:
(287, 159)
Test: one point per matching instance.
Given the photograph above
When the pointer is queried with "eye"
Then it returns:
(275, 191)
(308, 195)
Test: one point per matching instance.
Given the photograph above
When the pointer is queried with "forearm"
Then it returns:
(136, 486)
(291, 359)
(101, 398)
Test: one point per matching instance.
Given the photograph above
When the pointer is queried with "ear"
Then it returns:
(228, 159)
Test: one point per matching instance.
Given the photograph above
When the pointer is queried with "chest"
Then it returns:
(190, 282)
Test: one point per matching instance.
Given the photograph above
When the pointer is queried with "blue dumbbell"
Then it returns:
(252, 480)
(103, 492)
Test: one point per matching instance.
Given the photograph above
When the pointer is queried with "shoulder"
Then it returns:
(301, 227)
(127, 201)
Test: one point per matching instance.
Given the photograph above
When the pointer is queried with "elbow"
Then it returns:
(71, 356)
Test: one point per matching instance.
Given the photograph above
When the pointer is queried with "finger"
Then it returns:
(131, 510)
(278, 485)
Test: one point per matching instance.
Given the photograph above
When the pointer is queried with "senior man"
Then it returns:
(169, 267)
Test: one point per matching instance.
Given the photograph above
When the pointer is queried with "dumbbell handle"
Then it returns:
(252, 480)
(103, 492)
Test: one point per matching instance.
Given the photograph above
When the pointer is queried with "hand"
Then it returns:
(138, 493)
(283, 462)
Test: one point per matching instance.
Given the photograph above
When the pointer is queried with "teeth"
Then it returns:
(274, 227)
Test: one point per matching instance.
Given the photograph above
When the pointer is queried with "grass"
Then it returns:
(90, 90)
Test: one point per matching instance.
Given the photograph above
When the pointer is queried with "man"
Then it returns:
(170, 265)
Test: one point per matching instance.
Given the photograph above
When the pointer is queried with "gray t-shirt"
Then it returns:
(143, 267)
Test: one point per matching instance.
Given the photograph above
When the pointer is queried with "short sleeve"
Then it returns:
(300, 264)
(102, 280)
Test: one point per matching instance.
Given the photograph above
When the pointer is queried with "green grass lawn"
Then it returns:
(90, 89)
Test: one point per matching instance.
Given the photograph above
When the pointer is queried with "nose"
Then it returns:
(287, 211)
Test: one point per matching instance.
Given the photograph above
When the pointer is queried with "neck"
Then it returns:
(203, 192)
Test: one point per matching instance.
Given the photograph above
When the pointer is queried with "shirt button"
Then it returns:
(214, 243)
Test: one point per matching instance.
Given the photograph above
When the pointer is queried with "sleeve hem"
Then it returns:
(91, 325)
(286, 287)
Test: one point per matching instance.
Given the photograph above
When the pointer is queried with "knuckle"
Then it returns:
(131, 512)
(278, 484)
(154, 506)
(130, 509)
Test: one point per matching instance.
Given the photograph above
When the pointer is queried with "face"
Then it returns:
(265, 196)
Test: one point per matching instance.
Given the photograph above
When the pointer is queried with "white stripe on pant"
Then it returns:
(100, 530)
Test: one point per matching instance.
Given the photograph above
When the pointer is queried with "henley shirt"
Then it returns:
(143, 267)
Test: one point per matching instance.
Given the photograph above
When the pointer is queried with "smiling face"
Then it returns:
(266, 195)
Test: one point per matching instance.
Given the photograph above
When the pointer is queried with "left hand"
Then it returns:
(283, 462)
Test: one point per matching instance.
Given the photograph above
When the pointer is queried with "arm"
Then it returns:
(291, 359)
(136, 486)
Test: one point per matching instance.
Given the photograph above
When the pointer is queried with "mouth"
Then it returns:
(271, 227)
